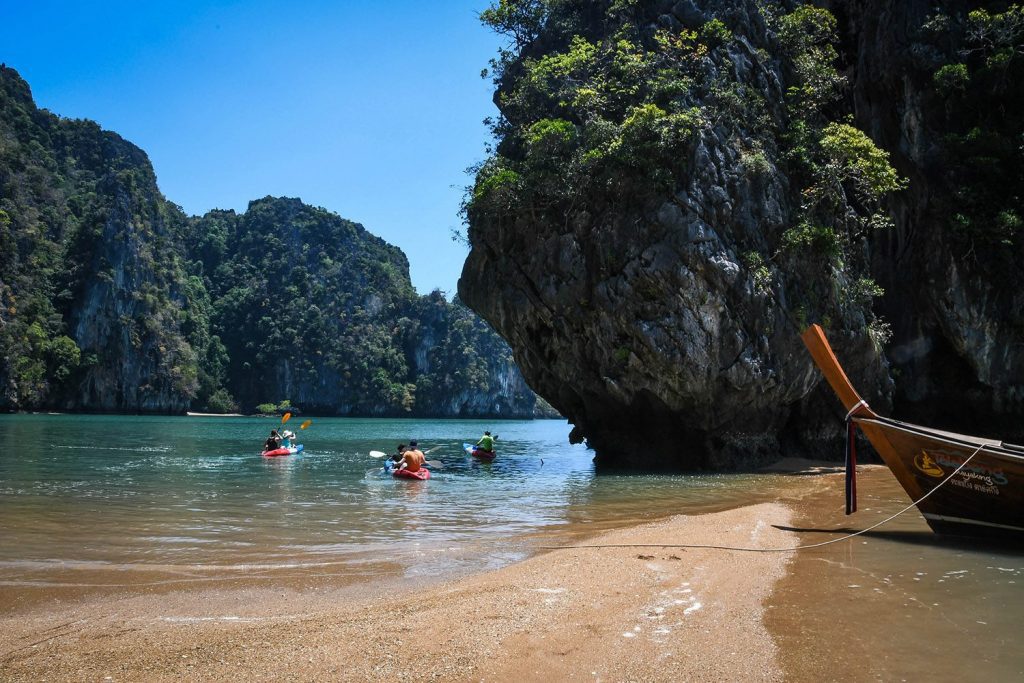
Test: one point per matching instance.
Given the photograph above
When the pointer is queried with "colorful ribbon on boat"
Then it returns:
(851, 466)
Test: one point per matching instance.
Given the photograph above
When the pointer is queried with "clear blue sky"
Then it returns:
(372, 110)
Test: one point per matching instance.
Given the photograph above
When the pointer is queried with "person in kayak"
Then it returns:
(412, 458)
(486, 443)
(273, 442)
(392, 460)
(286, 439)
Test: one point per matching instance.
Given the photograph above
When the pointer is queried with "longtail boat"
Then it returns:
(962, 484)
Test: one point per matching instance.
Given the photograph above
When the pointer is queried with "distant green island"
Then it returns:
(114, 300)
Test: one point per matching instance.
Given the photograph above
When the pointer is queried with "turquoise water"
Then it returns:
(162, 497)
(126, 503)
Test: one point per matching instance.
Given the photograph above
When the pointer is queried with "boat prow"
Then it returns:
(961, 484)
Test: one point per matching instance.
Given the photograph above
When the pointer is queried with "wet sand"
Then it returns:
(633, 613)
(883, 606)
(651, 614)
(898, 602)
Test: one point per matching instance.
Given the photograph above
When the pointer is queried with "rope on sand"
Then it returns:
(769, 550)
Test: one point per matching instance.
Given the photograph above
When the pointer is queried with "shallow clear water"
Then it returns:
(192, 495)
(113, 503)
(899, 603)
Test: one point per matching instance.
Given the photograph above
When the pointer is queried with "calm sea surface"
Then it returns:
(94, 503)
(898, 603)
(189, 497)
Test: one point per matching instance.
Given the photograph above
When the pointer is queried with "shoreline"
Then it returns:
(611, 613)
(193, 414)
(838, 612)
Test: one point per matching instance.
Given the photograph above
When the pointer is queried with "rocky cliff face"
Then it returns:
(950, 265)
(92, 319)
(462, 368)
(127, 313)
(112, 300)
(677, 191)
(313, 309)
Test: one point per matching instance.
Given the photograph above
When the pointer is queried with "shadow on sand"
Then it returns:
(925, 538)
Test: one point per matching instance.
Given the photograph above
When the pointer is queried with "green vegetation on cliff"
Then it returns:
(604, 104)
(311, 308)
(675, 190)
(113, 300)
(978, 59)
(74, 200)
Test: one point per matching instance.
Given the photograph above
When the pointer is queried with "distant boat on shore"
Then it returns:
(191, 414)
(961, 484)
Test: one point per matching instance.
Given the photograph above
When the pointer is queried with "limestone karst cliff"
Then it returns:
(680, 187)
(91, 290)
(314, 309)
(113, 300)
(939, 86)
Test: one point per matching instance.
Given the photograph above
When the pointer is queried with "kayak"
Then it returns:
(283, 452)
(486, 456)
(421, 474)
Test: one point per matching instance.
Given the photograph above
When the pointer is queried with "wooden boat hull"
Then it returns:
(985, 497)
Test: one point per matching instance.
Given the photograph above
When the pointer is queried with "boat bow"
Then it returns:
(960, 483)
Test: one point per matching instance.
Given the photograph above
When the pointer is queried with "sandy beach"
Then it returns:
(876, 607)
(872, 607)
(610, 614)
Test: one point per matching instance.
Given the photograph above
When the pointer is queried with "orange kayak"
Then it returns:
(421, 474)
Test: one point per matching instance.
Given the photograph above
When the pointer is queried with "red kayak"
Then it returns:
(479, 453)
(421, 474)
(282, 451)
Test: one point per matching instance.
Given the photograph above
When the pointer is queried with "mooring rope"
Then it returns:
(768, 550)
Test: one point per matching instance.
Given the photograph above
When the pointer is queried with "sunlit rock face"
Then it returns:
(127, 313)
(337, 328)
(112, 300)
(92, 294)
(641, 316)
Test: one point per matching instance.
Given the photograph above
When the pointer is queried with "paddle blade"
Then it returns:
(305, 424)
(287, 416)
(431, 450)
(436, 464)
(377, 454)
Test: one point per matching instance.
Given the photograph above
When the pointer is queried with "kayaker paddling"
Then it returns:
(483, 449)
(273, 442)
(391, 462)
(412, 458)
(282, 441)
(486, 443)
